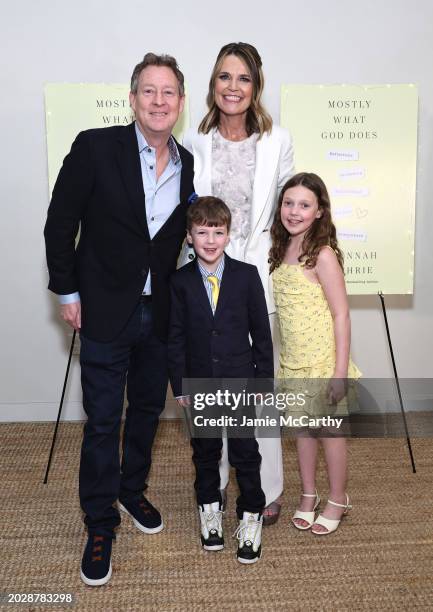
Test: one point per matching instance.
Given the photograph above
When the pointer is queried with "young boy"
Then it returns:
(217, 304)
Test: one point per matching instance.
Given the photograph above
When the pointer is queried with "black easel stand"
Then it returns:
(382, 299)
(60, 407)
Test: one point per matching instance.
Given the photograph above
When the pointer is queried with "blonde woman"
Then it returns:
(242, 158)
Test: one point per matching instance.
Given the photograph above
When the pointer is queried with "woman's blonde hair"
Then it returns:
(258, 119)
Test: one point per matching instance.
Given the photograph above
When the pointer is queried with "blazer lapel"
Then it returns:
(128, 159)
(267, 153)
(200, 291)
(187, 174)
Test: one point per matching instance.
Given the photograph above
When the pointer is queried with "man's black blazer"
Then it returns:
(203, 345)
(100, 186)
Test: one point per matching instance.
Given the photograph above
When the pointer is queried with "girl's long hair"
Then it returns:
(321, 233)
(258, 119)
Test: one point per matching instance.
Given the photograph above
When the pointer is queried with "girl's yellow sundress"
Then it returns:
(307, 342)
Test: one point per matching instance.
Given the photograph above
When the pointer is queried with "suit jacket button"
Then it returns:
(143, 272)
(215, 359)
(215, 333)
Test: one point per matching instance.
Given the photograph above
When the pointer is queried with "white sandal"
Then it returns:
(308, 517)
(331, 524)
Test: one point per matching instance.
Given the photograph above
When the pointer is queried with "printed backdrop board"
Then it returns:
(71, 108)
(362, 141)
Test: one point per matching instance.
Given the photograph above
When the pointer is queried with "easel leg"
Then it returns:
(60, 407)
(382, 299)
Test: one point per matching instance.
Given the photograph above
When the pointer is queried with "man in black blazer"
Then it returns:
(126, 189)
(218, 304)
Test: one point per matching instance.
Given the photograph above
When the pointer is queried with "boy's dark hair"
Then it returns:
(209, 211)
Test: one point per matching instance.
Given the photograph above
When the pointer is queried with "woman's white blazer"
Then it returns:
(274, 166)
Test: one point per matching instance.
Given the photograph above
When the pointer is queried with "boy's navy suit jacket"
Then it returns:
(204, 345)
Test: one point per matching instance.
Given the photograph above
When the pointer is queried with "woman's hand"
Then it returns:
(337, 389)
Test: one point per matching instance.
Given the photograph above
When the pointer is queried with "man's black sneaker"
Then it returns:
(144, 516)
(96, 562)
(211, 516)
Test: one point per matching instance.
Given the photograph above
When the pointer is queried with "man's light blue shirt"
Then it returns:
(162, 195)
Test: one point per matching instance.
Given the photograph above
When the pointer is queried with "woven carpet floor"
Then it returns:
(381, 557)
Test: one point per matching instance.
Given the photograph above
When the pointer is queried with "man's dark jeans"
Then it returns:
(138, 359)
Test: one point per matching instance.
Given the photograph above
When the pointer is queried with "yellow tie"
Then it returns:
(215, 289)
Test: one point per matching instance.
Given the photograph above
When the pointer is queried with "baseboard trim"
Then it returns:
(72, 411)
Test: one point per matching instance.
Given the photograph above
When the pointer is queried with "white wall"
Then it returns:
(380, 41)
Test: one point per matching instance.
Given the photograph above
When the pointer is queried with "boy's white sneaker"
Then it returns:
(211, 518)
(249, 534)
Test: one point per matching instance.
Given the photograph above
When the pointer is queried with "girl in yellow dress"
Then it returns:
(311, 302)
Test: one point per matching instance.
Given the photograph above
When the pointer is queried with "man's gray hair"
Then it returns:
(151, 59)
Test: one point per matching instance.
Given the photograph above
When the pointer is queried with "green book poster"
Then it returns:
(362, 141)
